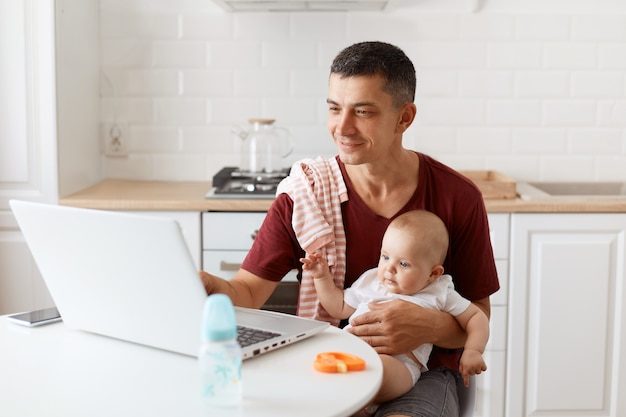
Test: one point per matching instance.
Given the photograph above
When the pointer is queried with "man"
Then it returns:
(370, 103)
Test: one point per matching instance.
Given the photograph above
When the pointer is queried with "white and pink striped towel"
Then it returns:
(317, 189)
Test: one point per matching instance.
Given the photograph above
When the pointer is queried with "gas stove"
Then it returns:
(231, 182)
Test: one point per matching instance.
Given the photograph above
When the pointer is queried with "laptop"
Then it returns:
(131, 277)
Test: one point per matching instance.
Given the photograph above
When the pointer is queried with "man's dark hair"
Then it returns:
(379, 58)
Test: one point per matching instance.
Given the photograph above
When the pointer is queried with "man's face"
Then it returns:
(361, 118)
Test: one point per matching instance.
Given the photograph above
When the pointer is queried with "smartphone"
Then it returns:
(36, 318)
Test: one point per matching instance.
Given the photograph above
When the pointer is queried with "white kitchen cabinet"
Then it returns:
(567, 329)
(490, 385)
(49, 78)
(226, 239)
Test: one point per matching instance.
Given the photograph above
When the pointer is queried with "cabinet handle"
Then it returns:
(229, 266)
(254, 234)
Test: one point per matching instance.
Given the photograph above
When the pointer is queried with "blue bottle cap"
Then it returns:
(218, 319)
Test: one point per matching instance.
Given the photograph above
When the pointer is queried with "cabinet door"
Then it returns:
(28, 169)
(566, 328)
(490, 384)
(230, 230)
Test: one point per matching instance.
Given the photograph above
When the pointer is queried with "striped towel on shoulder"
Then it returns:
(317, 190)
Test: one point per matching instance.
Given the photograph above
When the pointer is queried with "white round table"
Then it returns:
(54, 371)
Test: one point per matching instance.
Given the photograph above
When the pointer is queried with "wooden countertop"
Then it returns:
(157, 195)
(189, 196)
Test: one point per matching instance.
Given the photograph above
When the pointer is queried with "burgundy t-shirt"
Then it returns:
(441, 190)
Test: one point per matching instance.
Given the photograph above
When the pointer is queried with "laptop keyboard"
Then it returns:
(247, 336)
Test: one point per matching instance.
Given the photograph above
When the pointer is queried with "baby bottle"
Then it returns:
(220, 354)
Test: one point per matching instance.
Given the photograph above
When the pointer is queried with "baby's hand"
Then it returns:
(315, 263)
(472, 363)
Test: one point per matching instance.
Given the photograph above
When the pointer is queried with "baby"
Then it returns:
(410, 268)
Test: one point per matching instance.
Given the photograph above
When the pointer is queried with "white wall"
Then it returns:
(534, 94)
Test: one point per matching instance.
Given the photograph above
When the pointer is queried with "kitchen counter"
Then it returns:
(157, 195)
(189, 196)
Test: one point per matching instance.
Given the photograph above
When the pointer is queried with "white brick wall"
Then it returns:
(537, 94)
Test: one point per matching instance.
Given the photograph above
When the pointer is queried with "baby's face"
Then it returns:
(401, 268)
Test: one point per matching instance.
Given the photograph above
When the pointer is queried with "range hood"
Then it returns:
(301, 5)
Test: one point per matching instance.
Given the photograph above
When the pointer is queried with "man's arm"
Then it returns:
(244, 289)
(400, 326)
(485, 305)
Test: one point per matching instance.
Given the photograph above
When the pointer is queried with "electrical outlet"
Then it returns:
(115, 139)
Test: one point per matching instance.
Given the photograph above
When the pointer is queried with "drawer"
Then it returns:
(230, 231)
(223, 263)
(226, 263)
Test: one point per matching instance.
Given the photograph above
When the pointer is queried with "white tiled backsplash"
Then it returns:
(536, 95)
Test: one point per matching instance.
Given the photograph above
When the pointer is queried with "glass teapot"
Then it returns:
(264, 146)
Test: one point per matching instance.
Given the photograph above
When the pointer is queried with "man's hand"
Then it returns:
(207, 281)
(244, 289)
(399, 326)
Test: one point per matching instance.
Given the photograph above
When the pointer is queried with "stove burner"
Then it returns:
(261, 176)
(231, 182)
